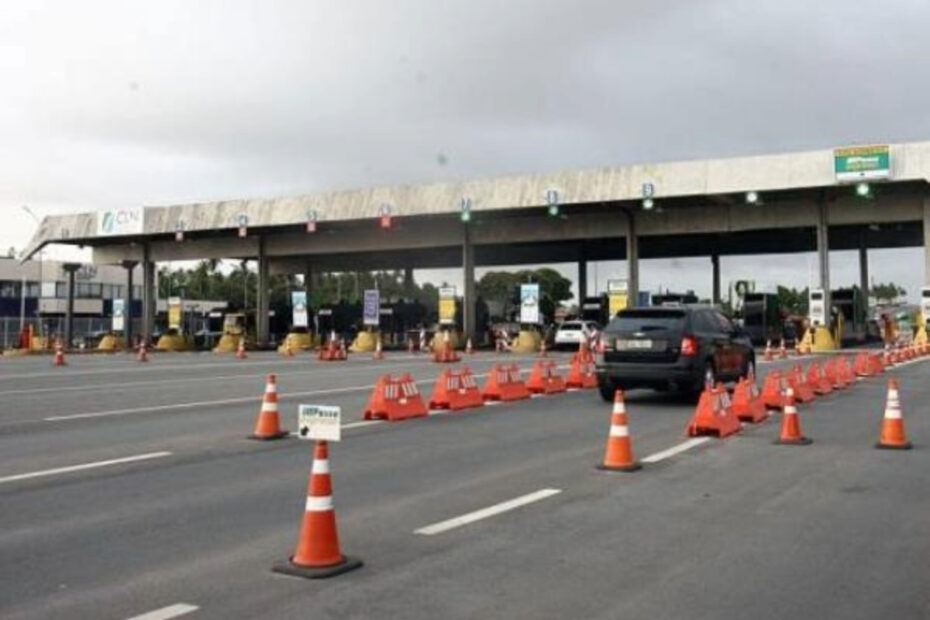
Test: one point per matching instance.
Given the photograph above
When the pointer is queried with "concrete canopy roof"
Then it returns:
(763, 173)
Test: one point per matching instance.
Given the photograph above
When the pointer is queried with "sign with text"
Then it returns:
(126, 221)
(862, 163)
(174, 312)
(319, 422)
(371, 307)
(447, 305)
(529, 303)
(618, 296)
(119, 314)
(299, 309)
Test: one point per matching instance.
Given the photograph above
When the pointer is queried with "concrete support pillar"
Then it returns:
(823, 252)
(148, 295)
(409, 283)
(715, 285)
(130, 266)
(632, 260)
(864, 270)
(468, 275)
(927, 241)
(582, 281)
(262, 302)
(70, 269)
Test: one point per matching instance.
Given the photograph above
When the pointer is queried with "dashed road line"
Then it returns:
(166, 613)
(682, 447)
(484, 513)
(85, 466)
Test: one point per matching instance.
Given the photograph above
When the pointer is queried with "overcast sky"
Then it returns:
(115, 103)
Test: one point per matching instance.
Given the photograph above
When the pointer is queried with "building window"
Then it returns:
(9, 289)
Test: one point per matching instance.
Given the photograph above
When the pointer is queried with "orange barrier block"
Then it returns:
(544, 380)
(317, 554)
(333, 352)
(832, 372)
(714, 415)
(876, 366)
(504, 383)
(455, 391)
(803, 393)
(772, 391)
(816, 379)
(395, 399)
(581, 374)
(862, 365)
(747, 404)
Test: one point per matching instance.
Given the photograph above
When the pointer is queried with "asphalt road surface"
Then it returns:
(129, 489)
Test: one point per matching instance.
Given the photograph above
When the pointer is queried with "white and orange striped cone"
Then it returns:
(892, 435)
(59, 355)
(767, 355)
(410, 348)
(791, 424)
(542, 348)
(317, 554)
(378, 354)
(240, 350)
(268, 424)
(143, 353)
(469, 350)
(618, 455)
(782, 351)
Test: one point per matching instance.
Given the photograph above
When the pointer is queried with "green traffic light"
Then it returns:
(553, 210)
(466, 215)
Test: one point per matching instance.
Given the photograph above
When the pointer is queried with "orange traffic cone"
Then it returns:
(469, 350)
(268, 425)
(542, 348)
(767, 356)
(619, 453)
(240, 350)
(317, 554)
(892, 436)
(410, 349)
(143, 352)
(59, 355)
(791, 425)
(378, 354)
(782, 351)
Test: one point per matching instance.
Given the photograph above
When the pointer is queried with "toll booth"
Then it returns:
(389, 323)
(325, 321)
(595, 309)
(925, 304)
(850, 306)
(674, 299)
(761, 318)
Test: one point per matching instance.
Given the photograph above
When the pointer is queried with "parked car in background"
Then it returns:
(570, 333)
(680, 348)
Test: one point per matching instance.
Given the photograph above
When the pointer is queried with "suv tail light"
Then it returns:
(688, 346)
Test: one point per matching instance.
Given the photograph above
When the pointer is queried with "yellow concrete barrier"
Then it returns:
(527, 341)
(823, 340)
(297, 341)
(439, 340)
(110, 342)
(228, 343)
(173, 342)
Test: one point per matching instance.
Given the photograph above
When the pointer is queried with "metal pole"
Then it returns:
(22, 305)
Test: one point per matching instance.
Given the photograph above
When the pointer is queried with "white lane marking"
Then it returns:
(225, 401)
(484, 513)
(84, 466)
(685, 445)
(165, 613)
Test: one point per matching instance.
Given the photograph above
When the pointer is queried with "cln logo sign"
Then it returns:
(319, 422)
(127, 221)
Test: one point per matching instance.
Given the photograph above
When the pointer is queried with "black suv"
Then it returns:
(679, 348)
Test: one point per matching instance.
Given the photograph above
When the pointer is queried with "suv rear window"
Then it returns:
(570, 326)
(647, 320)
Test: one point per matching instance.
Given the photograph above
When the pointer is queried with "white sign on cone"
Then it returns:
(319, 422)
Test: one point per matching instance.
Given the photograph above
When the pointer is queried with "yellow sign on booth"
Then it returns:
(447, 305)
(174, 312)
(618, 297)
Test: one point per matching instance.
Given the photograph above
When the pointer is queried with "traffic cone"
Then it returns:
(240, 350)
(268, 425)
(469, 350)
(317, 554)
(410, 349)
(619, 453)
(542, 348)
(378, 354)
(791, 424)
(143, 353)
(59, 355)
(782, 351)
(892, 435)
(767, 356)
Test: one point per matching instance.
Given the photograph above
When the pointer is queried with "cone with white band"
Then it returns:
(791, 424)
(619, 453)
(268, 425)
(240, 350)
(378, 354)
(317, 554)
(892, 435)
(143, 353)
(59, 355)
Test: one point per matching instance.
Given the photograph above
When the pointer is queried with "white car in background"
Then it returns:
(570, 333)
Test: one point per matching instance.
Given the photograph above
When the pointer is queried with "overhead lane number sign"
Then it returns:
(319, 422)
(862, 163)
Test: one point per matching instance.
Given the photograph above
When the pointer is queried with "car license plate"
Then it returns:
(633, 345)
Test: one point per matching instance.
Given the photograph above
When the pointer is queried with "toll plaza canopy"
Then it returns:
(843, 198)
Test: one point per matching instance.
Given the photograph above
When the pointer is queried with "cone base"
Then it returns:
(891, 446)
(317, 572)
(800, 441)
(272, 437)
(634, 466)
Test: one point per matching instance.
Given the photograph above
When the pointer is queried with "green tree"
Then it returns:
(792, 300)
(887, 292)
